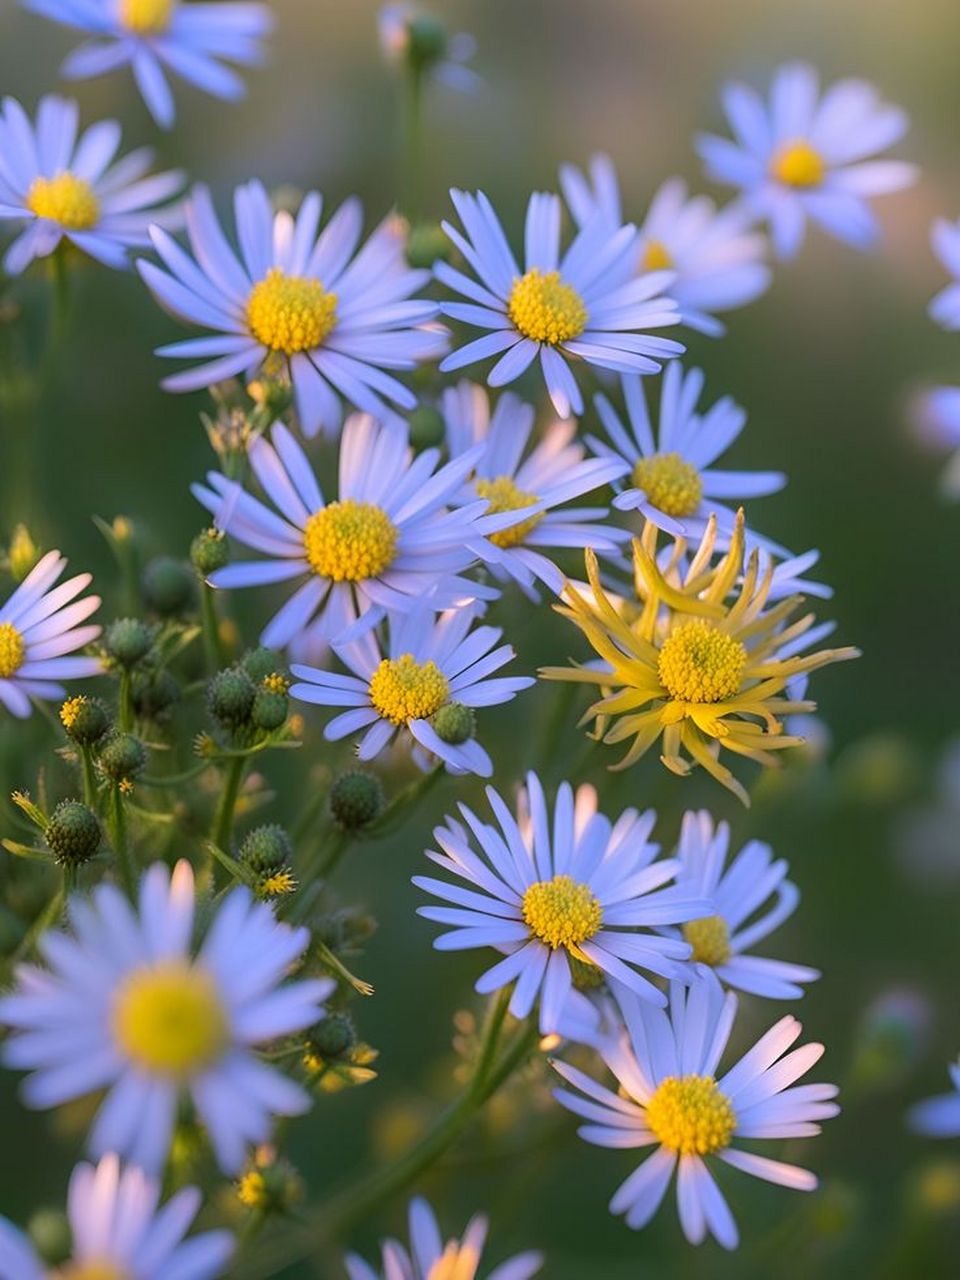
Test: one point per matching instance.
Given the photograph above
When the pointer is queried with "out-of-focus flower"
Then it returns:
(804, 155)
(670, 1099)
(66, 187)
(118, 1231)
(586, 304)
(939, 1117)
(125, 1007)
(716, 257)
(936, 417)
(945, 307)
(412, 36)
(334, 317)
(154, 37)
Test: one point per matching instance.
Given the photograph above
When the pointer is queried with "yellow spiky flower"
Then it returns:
(701, 659)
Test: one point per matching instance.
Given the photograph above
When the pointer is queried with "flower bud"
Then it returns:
(427, 243)
(23, 553)
(153, 693)
(454, 723)
(356, 798)
(266, 849)
(230, 696)
(426, 40)
(169, 587)
(270, 708)
(84, 719)
(426, 427)
(270, 1184)
(122, 757)
(208, 552)
(332, 1037)
(262, 662)
(49, 1229)
(73, 833)
(128, 641)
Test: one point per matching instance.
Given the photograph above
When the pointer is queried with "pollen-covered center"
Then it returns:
(91, 1269)
(348, 541)
(290, 313)
(504, 495)
(169, 1019)
(656, 256)
(403, 689)
(13, 650)
(691, 1116)
(543, 307)
(562, 912)
(797, 164)
(147, 17)
(457, 1262)
(65, 199)
(710, 939)
(670, 482)
(699, 663)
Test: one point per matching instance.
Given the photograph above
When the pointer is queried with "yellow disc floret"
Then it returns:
(290, 313)
(71, 709)
(503, 495)
(65, 199)
(13, 650)
(403, 689)
(691, 1116)
(700, 663)
(169, 1019)
(671, 484)
(458, 1262)
(91, 1269)
(147, 17)
(349, 541)
(562, 912)
(710, 939)
(543, 307)
(797, 164)
(656, 256)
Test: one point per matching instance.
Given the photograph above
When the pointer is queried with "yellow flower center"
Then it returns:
(656, 256)
(503, 495)
(691, 1116)
(66, 199)
(169, 1019)
(92, 1269)
(699, 663)
(349, 541)
(402, 689)
(71, 709)
(670, 482)
(290, 313)
(797, 164)
(458, 1262)
(13, 650)
(252, 1189)
(147, 17)
(710, 940)
(546, 309)
(277, 885)
(562, 912)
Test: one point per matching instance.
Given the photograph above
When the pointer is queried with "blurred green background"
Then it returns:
(826, 364)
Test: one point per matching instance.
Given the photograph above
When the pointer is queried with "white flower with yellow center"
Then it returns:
(430, 1258)
(66, 187)
(119, 1233)
(40, 633)
(554, 890)
(387, 543)
(426, 683)
(125, 1006)
(155, 37)
(672, 480)
(671, 1097)
(716, 258)
(585, 304)
(537, 487)
(803, 154)
(336, 318)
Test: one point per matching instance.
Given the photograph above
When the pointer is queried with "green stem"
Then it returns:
(212, 644)
(118, 834)
(403, 802)
(89, 778)
(223, 822)
(47, 917)
(126, 701)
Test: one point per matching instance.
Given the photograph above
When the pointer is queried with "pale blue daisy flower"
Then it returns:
(802, 155)
(387, 542)
(939, 1117)
(945, 307)
(448, 64)
(423, 684)
(118, 1229)
(557, 889)
(157, 37)
(40, 633)
(124, 1006)
(937, 416)
(66, 187)
(671, 1098)
(335, 317)
(585, 304)
(716, 257)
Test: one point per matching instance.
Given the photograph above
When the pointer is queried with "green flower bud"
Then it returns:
(84, 719)
(262, 662)
(153, 693)
(208, 552)
(426, 427)
(356, 798)
(427, 243)
(169, 587)
(23, 553)
(269, 709)
(73, 833)
(49, 1229)
(266, 849)
(333, 1037)
(454, 723)
(128, 641)
(269, 1185)
(230, 696)
(122, 757)
(426, 40)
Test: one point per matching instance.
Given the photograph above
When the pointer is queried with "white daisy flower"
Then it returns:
(586, 304)
(336, 318)
(945, 307)
(124, 1006)
(120, 1234)
(670, 1098)
(387, 542)
(555, 891)
(443, 56)
(801, 155)
(39, 629)
(939, 1117)
(66, 187)
(716, 257)
(536, 487)
(426, 683)
(157, 37)
(737, 891)
(429, 1258)
(672, 480)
